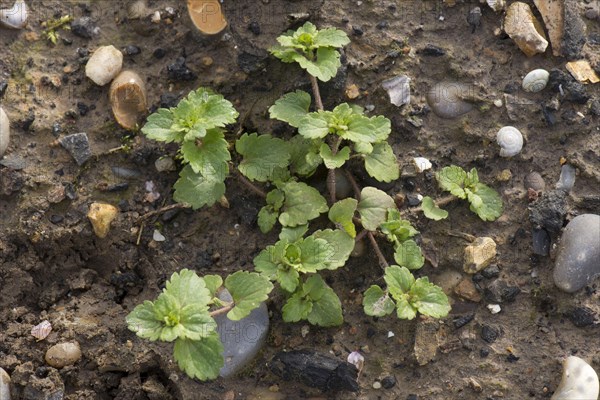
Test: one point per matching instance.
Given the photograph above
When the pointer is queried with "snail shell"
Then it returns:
(207, 16)
(450, 99)
(104, 65)
(4, 132)
(16, 16)
(128, 99)
(579, 381)
(510, 140)
(536, 80)
(535, 181)
(41, 330)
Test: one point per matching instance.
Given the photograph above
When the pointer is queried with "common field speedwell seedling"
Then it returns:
(326, 138)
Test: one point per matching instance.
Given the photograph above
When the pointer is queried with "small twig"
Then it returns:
(360, 235)
(382, 262)
(139, 237)
(163, 210)
(316, 92)
(354, 185)
(250, 185)
(439, 202)
(222, 310)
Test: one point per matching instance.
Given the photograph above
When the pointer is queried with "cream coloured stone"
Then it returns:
(104, 65)
(579, 381)
(522, 26)
(479, 254)
(101, 215)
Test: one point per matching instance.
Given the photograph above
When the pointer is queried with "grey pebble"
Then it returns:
(534, 181)
(578, 257)
(78, 146)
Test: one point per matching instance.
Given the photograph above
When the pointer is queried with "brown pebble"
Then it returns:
(534, 181)
(466, 289)
(63, 354)
(352, 92)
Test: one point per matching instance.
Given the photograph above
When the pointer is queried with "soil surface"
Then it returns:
(53, 267)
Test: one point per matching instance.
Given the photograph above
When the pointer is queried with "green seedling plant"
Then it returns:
(183, 313)
(274, 168)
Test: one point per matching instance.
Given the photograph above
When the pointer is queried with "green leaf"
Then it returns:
(490, 205)
(341, 214)
(377, 303)
(431, 211)
(397, 229)
(195, 322)
(188, 288)
(452, 179)
(363, 148)
(209, 157)
(267, 261)
(381, 163)
(200, 359)
(202, 110)
(297, 308)
(264, 156)
(158, 127)
(331, 37)
(373, 207)
(293, 234)
(369, 130)
(341, 245)
(197, 190)
(315, 254)
(167, 310)
(315, 125)
(276, 198)
(291, 108)
(213, 283)
(302, 204)
(305, 155)
(144, 322)
(405, 310)
(429, 299)
(267, 218)
(288, 279)
(248, 290)
(334, 161)
(408, 254)
(399, 281)
(324, 67)
(327, 310)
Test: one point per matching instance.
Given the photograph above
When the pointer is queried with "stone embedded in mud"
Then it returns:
(566, 181)
(467, 290)
(78, 146)
(549, 211)
(104, 65)
(578, 257)
(579, 381)
(83, 27)
(101, 215)
(499, 291)
(4, 132)
(178, 71)
(426, 340)
(4, 385)
(63, 354)
(243, 339)
(524, 28)
(479, 254)
(450, 99)
(553, 15)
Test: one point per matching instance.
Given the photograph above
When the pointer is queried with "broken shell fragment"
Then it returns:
(207, 16)
(4, 385)
(579, 381)
(398, 88)
(104, 65)
(496, 5)
(510, 140)
(41, 330)
(4, 132)
(101, 215)
(128, 99)
(536, 80)
(524, 28)
(16, 16)
(450, 99)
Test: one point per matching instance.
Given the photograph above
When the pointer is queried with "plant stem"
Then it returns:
(331, 172)
(439, 202)
(382, 262)
(316, 92)
(163, 210)
(250, 185)
(222, 310)
(353, 183)
(360, 235)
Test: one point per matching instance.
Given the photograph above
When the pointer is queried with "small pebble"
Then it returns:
(157, 236)
(534, 181)
(63, 354)
(101, 215)
(388, 382)
(254, 27)
(581, 317)
(494, 308)
(4, 385)
(104, 65)
(132, 50)
(78, 146)
(489, 333)
(376, 385)
(83, 27)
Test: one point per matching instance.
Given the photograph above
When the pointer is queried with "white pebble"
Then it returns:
(376, 385)
(4, 132)
(422, 164)
(158, 237)
(104, 65)
(4, 385)
(390, 334)
(494, 308)
(579, 381)
(498, 103)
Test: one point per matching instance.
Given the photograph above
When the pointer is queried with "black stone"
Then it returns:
(3, 87)
(573, 38)
(67, 41)
(251, 62)
(82, 108)
(541, 242)
(315, 370)
(56, 219)
(78, 146)
(491, 272)
(483, 353)
(27, 122)
(581, 317)
(511, 358)
(83, 27)
(489, 333)
(549, 211)
(371, 332)
(432, 51)
(474, 18)
(412, 397)
(388, 382)
(463, 320)
(254, 27)
(159, 53)
(382, 25)
(573, 90)
(168, 100)
(357, 30)
(132, 50)
(178, 71)
(594, 106)
(117, 187)
(412, 200)
(500, 292)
